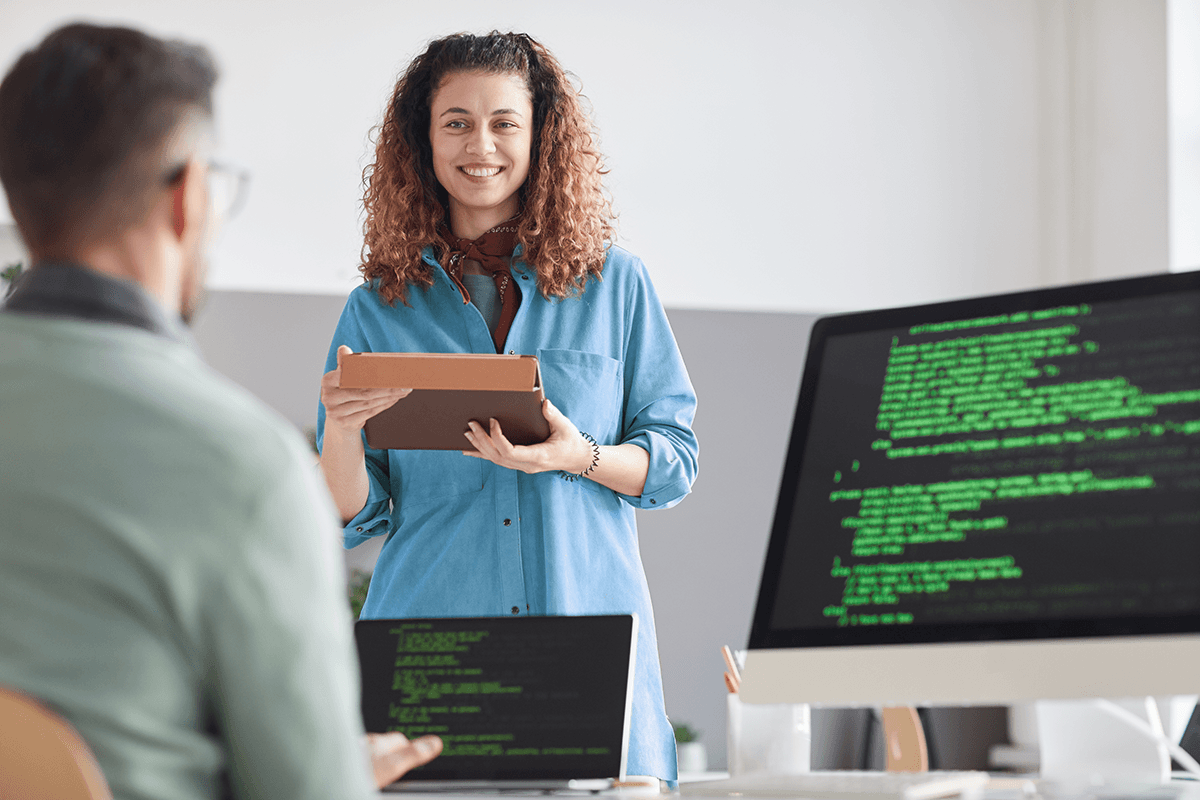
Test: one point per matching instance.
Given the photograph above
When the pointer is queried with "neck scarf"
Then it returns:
(492, 250)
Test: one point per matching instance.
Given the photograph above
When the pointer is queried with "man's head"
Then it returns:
(101, 130)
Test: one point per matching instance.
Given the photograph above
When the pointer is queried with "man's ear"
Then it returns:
(189, 201)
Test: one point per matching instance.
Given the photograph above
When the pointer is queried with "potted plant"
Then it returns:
(360, 581)
(9, 275)
(691, 752)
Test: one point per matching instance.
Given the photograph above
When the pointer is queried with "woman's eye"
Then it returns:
(505, 124)
(456, 123)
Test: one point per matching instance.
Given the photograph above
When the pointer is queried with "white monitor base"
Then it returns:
(1083, 744)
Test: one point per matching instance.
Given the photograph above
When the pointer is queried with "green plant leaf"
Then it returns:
(685, 733)
(360, 581)
(10, 274)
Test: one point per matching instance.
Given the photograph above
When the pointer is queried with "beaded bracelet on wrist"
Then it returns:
(572, 476)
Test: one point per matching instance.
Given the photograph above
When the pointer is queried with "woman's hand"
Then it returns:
(392, 754)
(565, 449)
(342, 455)
(347, 410)
(621, 467)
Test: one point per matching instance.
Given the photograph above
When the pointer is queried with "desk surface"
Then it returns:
(1002, 787)
(630, 793)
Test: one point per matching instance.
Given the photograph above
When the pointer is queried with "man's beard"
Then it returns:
(194, 293)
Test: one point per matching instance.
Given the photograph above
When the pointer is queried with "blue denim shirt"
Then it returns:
(469, 538)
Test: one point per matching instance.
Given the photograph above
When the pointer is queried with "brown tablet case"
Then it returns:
(449, 389)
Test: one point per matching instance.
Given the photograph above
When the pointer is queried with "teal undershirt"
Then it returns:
(485, 297)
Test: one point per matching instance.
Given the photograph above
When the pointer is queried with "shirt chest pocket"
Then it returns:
(587, 388)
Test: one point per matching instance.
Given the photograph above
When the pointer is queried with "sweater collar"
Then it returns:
(63, 289)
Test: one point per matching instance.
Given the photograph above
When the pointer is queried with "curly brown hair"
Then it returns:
(566, 220)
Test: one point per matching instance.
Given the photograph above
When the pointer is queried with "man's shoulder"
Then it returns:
(141, 391)
(236, 433)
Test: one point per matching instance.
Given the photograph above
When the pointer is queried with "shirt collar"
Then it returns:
(76, 292)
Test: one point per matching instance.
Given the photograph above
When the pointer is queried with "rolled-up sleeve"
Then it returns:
(659, 401)
(373, 519)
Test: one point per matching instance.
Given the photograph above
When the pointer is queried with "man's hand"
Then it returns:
(392, 754)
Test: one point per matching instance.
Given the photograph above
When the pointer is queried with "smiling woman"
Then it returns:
(487, 231)
(481, 131)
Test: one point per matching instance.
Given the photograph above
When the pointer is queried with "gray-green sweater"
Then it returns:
(170, 579)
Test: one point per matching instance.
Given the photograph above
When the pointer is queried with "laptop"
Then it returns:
(538, 703)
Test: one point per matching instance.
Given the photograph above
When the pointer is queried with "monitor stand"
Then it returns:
(1082, 744)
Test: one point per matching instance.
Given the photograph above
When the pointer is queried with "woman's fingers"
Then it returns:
(332, 393)
(482, 441)
(333, 377)
(564, 449)
(495, 447)
(353, 407)
(557, 452)
(551, 412)
(503, 446)
(560, 426)
(353, 403)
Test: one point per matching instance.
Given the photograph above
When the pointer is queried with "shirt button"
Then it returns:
(359, 529)
(512, 352)
(516, 610)
(653, 501)
(524, 277)
(507, 522)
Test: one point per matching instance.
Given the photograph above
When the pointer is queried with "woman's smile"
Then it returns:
(481, 172)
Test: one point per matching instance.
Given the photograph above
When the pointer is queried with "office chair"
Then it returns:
(41, 755)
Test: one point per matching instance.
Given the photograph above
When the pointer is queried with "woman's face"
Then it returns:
(481, 131)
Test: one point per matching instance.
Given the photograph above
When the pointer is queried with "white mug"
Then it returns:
(768, 738)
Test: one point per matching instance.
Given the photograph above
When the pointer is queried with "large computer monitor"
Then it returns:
(991, 500)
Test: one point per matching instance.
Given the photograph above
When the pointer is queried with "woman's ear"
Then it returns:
(189, 201)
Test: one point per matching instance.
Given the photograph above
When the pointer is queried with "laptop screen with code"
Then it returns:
(511, 697)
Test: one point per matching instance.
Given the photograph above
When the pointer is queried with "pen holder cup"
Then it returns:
(774, 739)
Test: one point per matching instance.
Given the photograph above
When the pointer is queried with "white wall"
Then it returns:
(822, 154)
(1184, 53)
(1104, 121)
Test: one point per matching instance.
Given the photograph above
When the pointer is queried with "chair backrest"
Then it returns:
(41, 755)
(904, 740)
